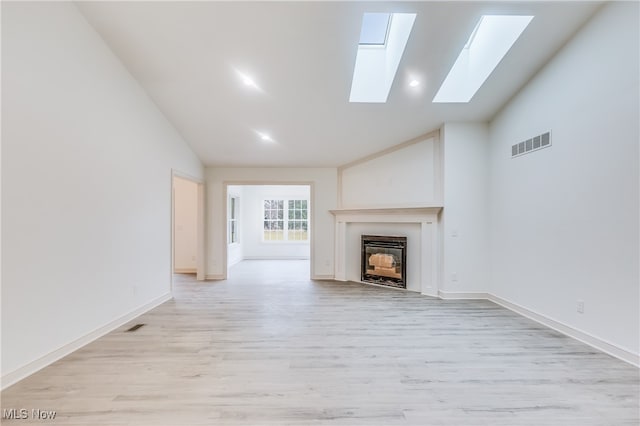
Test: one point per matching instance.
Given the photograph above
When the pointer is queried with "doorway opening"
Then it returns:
(187, 226)
(270, 225)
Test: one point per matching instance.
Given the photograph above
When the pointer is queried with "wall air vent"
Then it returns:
(530, 145)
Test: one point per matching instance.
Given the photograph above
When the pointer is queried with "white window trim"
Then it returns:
(236, 220)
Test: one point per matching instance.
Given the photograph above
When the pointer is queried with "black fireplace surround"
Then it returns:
(384, 260)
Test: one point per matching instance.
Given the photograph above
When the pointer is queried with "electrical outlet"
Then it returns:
(454, 276)
(580, 306)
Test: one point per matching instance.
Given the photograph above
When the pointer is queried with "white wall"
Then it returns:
(406, 177)
(465, 214)
(235, 251)
(186, 225)
(86, 186)
(323, 183)
(253, 223)
(564, 220)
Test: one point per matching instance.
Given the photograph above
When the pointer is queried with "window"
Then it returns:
(488, 43)
(375, 29)
(274, 220)
(234, 204)
(383, 38)
(286, 220)
(297, 225)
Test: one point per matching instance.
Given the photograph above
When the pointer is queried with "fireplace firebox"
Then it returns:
(384, 260)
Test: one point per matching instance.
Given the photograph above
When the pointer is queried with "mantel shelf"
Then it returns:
(389, 211)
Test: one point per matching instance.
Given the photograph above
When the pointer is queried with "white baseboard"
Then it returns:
(322, 277)
(595, 342)
(185, 270)
(216, 277)
(40, 363)
(275, 258)
(461, 295)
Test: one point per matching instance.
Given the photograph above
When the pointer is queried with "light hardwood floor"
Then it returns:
(270, 347)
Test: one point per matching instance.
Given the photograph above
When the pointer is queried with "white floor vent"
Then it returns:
(530, 145)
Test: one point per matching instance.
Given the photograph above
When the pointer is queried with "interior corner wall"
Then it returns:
(564, 219)
(86, 187)
(185, 237)
(464, 216)
(324, 184)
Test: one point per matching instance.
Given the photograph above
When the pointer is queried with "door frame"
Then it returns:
(200, 224)
(225, 197)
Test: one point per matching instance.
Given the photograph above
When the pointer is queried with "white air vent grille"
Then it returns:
(530, 145)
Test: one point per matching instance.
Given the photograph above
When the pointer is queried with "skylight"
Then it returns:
(489, 42)
(375, 27)
(383, 38)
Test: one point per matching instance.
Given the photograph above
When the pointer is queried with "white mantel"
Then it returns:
(430, 248)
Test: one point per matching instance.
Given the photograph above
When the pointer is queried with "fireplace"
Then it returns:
(384, 260)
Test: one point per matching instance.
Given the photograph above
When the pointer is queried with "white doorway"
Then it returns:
(268, 222)
(187, 226)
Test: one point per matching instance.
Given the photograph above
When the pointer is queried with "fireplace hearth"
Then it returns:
(384, 260)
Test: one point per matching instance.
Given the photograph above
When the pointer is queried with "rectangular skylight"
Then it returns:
(375, 28)
(376, 68)
(489, 42)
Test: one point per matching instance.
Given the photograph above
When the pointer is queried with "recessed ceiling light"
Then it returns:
(265, 137)
(247, 81)
(414, 83)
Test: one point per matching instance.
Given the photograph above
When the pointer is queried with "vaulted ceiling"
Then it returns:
(301, 55)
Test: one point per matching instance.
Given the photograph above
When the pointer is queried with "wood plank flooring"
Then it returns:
(270, 347)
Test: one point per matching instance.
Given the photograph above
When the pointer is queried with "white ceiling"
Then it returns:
(301, 54)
